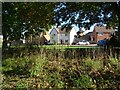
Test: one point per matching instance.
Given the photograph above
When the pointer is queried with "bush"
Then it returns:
(84, 81)
(17, 66)
(93, 65)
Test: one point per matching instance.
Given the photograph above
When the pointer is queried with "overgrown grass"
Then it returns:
(53, 68)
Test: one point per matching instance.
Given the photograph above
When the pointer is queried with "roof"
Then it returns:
(47, 36)
(60, 31)
(103, 29)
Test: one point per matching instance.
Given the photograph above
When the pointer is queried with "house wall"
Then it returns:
(72, 34)
(102, 37)
(95, 36)
(1, 39)
(64, 38)
(54, 36)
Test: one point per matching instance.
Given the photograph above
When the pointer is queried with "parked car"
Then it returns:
(83, 42)
(101, 43)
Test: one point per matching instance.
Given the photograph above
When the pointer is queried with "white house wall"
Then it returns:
(58, 37)
(72, 34)
(63, 37)
(53, 36)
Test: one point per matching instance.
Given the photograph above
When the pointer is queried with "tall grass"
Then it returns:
(56, 68)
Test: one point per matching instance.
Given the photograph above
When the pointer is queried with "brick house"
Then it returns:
(101, 33)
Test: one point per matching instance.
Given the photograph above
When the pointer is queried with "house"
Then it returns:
(64, 36)
(44, 38)
(39, 39)
(88, 36)
(96, 33)
(101, 32)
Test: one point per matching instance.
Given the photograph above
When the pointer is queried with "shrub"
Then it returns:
(37, 64)
(20, 85)
(84, 81)
(93, 65)
(53, 69)
(16, 65)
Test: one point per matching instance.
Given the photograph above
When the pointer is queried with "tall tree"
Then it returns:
(30, 17)
(79, 12)
(25, 17)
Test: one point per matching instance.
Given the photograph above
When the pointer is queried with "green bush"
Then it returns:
(113, 61)
(84, 81)
(17, 65)
(93, 65)
(20, 85)
(37, 66)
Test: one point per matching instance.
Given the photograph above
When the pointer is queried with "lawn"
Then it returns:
(67, 46)
(57, 46)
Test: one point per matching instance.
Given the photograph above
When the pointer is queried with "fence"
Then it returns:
(70, 53)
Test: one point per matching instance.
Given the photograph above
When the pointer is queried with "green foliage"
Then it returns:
(93, 11)
(18, 65)
(21, 19)
(21, 85)
(50, 69)
(61, 84)
(93, 65)
(84, 81)
(29, 17)
(118, 68)
(37, 65)
(113, 61)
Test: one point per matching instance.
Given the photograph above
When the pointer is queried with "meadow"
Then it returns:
(60, 67)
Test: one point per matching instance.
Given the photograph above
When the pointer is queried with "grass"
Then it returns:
(67, 46)
(59, 46)
(44, 68)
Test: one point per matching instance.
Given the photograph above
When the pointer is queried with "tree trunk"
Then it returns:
(118, 22)
(4, 45)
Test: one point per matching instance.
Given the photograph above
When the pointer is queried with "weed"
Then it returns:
(84, 81)
(55, 68)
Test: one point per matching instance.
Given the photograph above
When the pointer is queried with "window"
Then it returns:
(65, 34)
(100, 33)
(53, 36)
(66, 41)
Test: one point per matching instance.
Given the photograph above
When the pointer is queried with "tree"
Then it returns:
(78, 12)
(26, 18)
(21, 19)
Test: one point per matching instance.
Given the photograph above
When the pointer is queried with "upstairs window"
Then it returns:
(53, 36)
(100, 33)
(65, 34)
